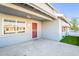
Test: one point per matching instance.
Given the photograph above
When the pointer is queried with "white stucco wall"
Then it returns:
(9, 39)
(51, 30)
(60, 29)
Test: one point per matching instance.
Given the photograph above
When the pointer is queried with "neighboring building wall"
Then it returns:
(9, 39)
(51, 30)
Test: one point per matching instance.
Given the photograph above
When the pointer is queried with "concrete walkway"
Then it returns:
(40, 47)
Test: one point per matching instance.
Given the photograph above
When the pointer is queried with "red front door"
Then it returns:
(34, 30)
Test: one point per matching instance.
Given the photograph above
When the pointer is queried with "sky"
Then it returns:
(70, 10)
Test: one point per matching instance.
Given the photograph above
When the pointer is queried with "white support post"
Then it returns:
(25, 26)
(16, 26)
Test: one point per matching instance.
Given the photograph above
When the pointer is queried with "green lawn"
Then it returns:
(71, 40)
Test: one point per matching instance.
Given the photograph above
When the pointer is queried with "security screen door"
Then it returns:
(34, 30)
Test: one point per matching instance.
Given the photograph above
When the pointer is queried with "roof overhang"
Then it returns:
(15, 7)
(38, 8)
(62, 17)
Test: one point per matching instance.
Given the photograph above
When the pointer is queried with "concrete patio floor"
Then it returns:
(40, 47)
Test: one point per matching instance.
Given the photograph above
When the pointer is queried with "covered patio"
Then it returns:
(20, 22)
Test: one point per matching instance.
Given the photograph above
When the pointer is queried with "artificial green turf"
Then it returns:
(71, 40)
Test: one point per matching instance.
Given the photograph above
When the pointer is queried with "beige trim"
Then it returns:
(37, 7)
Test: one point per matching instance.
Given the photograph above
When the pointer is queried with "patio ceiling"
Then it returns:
(16, 10)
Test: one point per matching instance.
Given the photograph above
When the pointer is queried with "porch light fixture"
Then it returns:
(28, 16)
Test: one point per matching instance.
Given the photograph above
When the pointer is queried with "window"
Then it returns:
(12, 26)
(9, 26)
(20, 26)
